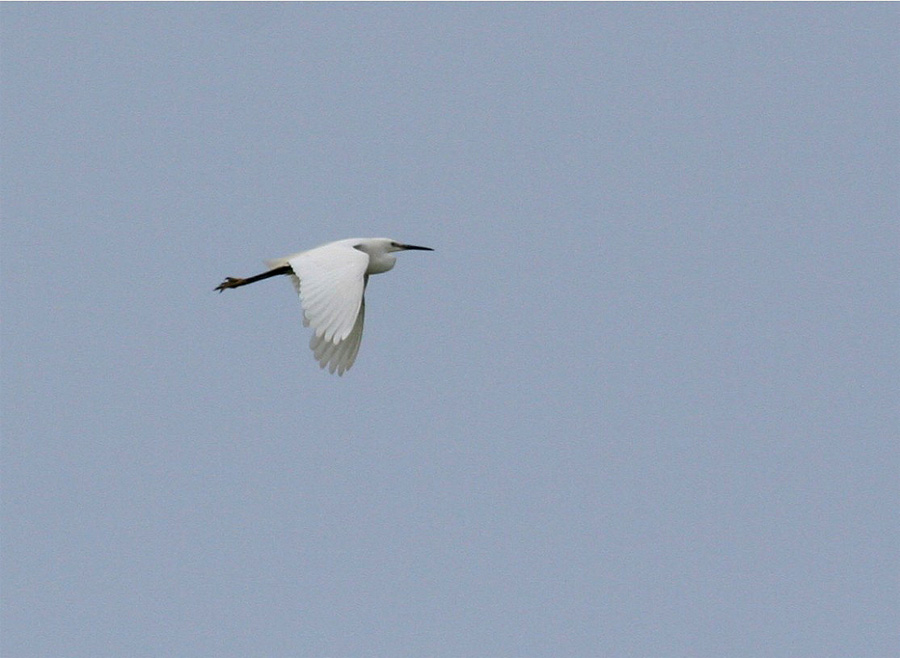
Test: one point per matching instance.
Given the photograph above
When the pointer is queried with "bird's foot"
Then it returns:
(229, 282)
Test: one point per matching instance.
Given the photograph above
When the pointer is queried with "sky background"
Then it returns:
(642, 400)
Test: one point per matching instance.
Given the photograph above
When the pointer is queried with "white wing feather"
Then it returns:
(339, 356)
(330, 281)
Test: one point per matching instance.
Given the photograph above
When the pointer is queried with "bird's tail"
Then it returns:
(273, 263)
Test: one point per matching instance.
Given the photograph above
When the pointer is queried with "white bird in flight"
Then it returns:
(331, 281)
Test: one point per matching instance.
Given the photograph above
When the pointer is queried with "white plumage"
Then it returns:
(331, 282)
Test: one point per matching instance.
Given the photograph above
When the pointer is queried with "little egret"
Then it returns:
(331, 282)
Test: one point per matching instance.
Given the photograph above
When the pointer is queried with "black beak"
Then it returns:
(412, 246)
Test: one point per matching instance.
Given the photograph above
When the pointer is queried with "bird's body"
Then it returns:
(331, 282)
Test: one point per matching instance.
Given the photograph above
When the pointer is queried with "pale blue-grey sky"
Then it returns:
(642, 400)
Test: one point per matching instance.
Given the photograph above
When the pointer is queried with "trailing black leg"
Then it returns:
(234, 282)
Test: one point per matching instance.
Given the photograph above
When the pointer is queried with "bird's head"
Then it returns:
(379, 250)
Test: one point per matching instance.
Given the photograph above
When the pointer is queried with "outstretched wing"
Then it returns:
(331, 281)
